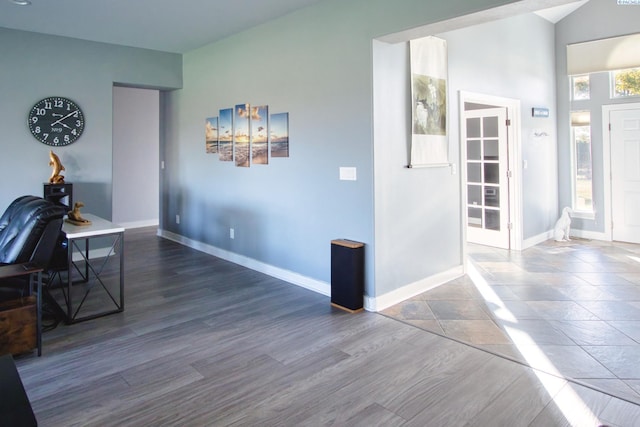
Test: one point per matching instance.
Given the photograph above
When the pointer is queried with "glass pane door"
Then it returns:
(486, 160)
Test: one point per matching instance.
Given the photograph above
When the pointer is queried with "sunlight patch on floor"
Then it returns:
(573, 408)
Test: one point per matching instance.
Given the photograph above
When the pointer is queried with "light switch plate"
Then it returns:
(348, 174)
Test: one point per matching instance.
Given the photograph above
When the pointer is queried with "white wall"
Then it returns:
(499, 59)
(136, 148)
(418, 211)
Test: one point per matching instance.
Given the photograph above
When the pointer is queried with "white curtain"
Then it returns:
(616, 53)
(429, 142)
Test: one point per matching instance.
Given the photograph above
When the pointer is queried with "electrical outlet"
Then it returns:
(177, 219)
(232, 233)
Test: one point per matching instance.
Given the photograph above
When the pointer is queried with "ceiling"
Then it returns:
(554, 14)
(170, 26)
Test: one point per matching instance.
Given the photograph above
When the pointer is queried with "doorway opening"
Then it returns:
(490, 179)
(136, 152)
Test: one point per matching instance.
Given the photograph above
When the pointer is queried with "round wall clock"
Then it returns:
(56, 121)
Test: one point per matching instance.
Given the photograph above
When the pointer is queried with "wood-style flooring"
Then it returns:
(204, 342)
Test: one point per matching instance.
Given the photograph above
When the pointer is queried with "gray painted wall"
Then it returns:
(597, 19)
(35, 66)
(418, 212)
(136, 154)
(500, 59)
(315, 64)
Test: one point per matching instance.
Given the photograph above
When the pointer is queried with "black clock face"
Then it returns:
(56, 121)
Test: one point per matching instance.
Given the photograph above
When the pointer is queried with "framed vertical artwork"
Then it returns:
(279, 130)
(225, 135)
(211, 135)
(429, 142)
(241, 134)
(260, 135)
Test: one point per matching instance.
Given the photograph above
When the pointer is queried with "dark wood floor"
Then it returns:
(204, 342)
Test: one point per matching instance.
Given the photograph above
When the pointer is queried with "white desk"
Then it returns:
(91, 270)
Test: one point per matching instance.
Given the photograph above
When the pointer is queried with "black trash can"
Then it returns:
(347, 275)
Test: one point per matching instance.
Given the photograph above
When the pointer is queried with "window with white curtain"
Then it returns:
(616, 53)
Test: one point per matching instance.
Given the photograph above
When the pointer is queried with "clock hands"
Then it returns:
(61, 119)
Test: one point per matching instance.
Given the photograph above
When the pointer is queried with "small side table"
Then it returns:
(90, 270)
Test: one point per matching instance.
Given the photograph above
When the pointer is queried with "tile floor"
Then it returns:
(568, 308)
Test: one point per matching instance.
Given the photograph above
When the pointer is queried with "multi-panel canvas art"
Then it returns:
(211, 135)
(241, 134)
(260, 135)
(279, 135)
(247, 134)
(225, 135)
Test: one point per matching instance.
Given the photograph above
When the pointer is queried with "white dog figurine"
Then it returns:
(563, 226)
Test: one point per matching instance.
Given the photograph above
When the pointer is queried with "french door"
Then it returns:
(487, 176)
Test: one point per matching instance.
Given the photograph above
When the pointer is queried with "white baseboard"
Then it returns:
(139, 224)
(592, 235)
(279, 273)
(370, 304)
(411, 290)
(581, 234)
(535, 240)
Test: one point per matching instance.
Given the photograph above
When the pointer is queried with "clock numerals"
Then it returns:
(56, 121)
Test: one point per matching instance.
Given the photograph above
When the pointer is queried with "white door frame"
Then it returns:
(606, 160)
(515, 161)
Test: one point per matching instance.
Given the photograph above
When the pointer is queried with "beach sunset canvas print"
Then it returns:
(241, 134)
(279, 129)
(225, 135)
(211, 135)
(259, 135)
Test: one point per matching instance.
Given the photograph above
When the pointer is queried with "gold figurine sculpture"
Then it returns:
(56, 165)
(75, 217)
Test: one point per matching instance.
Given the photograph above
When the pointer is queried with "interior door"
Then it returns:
(487, 180)
(625, 174)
